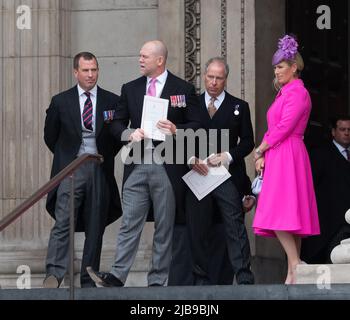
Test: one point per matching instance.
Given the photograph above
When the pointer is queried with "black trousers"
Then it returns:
(181, 269)
(199, 215)
(91, 198)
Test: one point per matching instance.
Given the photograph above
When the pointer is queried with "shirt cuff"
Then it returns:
(229, 157)
(189, 161)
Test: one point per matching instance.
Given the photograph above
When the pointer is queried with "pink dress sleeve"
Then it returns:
(293, 108)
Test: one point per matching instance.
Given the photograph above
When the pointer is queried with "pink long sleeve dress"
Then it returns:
(287, 199)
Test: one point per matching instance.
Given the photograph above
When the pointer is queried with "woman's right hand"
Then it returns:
(260, 164)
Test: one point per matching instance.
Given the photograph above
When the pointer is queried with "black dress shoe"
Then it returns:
(155, 285)
(245, 278)
(201, 281)
(104, 279)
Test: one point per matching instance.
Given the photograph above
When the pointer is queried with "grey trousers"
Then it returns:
(91, 192)
(147, 184)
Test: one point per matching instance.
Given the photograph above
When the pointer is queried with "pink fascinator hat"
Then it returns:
(287, 50)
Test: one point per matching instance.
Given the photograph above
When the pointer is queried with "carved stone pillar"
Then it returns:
(34, 49)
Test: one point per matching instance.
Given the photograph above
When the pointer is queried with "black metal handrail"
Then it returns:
(46, 188)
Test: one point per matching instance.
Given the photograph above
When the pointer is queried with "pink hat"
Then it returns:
(287, 50)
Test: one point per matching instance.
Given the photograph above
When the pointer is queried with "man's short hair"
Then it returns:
(217, 59)
(85, 56)
(335, 119)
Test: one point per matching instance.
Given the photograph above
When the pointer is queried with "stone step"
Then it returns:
(323, 274)
(234, 292)
(17, 281)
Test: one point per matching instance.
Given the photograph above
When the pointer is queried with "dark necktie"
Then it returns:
(87, 112)
(211, 107)
(347, 152)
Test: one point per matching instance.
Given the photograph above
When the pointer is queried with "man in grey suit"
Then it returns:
(75, 125)
(150, 184)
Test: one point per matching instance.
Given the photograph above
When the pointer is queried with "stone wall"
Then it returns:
(33, 67)
(36, 63)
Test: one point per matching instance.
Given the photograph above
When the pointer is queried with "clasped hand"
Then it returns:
(260, 164)
(137, 135)
(215, 160)
(165, 126)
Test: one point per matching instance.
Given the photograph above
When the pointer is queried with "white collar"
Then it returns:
(340, 147)
(93, 91)
(161, 78)
(219, 99)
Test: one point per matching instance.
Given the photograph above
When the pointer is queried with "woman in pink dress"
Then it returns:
(286, 207)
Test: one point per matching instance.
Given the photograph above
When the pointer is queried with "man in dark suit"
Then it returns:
(331, 174)
(75, 125)
(230, 118)
(220, 270)
(151, 183)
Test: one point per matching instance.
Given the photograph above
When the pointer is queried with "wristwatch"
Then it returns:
(258, 153)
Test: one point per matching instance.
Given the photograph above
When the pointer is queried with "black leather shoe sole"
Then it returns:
(103, 279)
(99, 282)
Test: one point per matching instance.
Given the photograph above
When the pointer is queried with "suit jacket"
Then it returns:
(63, 136)
(239, 126)
(130, 109)
(331, 175)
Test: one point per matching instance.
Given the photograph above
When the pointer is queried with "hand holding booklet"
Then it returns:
(154, 109)
(202, 185)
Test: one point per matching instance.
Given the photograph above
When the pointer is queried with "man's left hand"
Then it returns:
(166, 127)
(218, 159)
(248, 203)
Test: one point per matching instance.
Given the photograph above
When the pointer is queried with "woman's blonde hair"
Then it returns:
(299, 61)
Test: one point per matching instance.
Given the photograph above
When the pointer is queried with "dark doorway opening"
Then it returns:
(325, 53)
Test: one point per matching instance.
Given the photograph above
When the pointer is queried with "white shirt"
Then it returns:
(217, 103)
(160, 83)
(341, 149)
(82, 99)
(219, 99)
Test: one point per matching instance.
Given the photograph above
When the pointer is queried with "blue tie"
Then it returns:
(87, 112)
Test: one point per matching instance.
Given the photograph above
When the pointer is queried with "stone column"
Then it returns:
(33, 68)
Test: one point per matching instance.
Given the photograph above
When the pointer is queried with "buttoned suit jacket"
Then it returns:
(63, 136)
(234, 116)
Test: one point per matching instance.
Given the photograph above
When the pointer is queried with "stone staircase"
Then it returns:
(323, 275)
(234, 292)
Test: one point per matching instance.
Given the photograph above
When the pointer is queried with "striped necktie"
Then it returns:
(87, 112)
